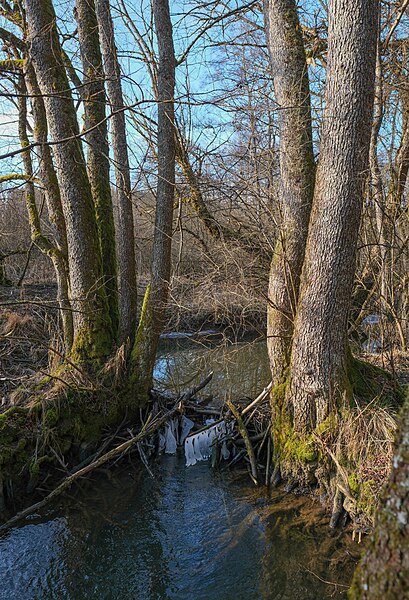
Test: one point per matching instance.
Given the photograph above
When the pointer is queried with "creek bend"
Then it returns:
(189, 533)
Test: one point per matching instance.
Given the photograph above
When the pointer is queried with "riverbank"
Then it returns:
(241, 371)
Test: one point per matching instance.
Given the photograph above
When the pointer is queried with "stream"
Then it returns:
(189, 533)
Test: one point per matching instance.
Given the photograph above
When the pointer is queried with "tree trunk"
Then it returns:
(378, 198)
(92, 325)
(383, 573)
(319, 360)
(153, 311)
(93, 96)
(297, 173)
(126, 240)
(48, 178)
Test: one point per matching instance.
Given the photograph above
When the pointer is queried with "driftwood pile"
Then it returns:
(247, 438)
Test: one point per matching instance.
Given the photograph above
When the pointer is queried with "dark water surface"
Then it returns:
(240, 369)
(188, 534)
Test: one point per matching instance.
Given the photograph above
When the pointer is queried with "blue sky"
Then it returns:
(202, 79)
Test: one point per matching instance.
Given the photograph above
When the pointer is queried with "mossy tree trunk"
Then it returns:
(55, 245)
(297, 174)
(320, 357)
(93, 96)
(155, 301)
(93, 334)
(383, 573)
(126, 238)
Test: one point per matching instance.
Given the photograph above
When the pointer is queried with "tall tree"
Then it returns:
(54, 245)
(156, 296)
(126, 237)
(93, 96)
(297, 175)
(59, 250)
(93, 333)
(319, 363)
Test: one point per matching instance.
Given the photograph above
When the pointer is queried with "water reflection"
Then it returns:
(240, 369)
(168, 538)
(303, 558)
(189, 534)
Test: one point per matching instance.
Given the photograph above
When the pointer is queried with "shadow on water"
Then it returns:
(188, 534)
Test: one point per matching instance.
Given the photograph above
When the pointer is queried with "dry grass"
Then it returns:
(366, 440)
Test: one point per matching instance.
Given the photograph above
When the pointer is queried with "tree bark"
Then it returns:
(153, 311)
(92, 325)
(297, 174)
(319, 360)
(93, 96)
(48, 178)
(126, 239)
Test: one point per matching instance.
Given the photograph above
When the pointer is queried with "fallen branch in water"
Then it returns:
(190, 393)
(244, 434)
(148, 429)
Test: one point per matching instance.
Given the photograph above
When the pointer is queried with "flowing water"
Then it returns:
(188, 534)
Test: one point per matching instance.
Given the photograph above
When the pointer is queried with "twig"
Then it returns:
(245, 436)
(268, 459)
(190, 393)
(324, 580)
(259, 398)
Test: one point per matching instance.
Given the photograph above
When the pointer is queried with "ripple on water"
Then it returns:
(189, 534)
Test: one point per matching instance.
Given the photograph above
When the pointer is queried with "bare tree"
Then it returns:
(93, 333)
(320, 363)
(93, 96)
(126, 244)
(156, 296)
(297, 175)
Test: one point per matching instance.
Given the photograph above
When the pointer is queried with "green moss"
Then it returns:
(143, 354)
(34, 468)
(288, 445)
(51, 417)
(363, 492)
(367, 381)
(299, 449)
(353, 484)
(92, 344)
